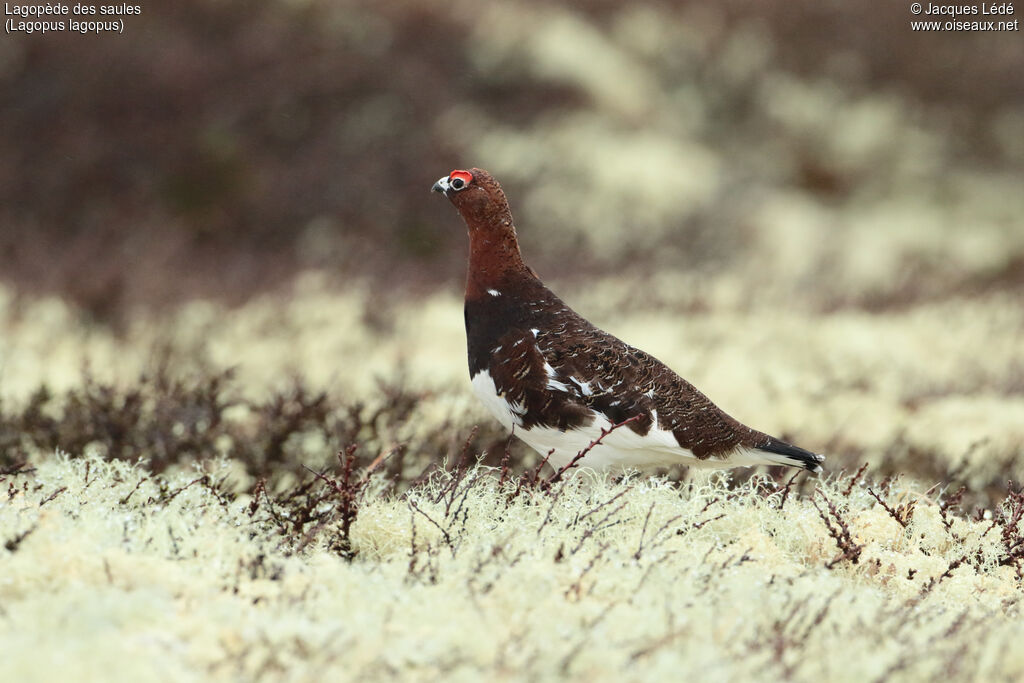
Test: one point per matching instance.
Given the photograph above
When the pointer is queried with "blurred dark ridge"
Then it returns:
(216, 147)
(200, 144)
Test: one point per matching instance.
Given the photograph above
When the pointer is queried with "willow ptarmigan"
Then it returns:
(557, 381)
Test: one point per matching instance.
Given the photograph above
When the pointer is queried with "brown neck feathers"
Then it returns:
(494, 259)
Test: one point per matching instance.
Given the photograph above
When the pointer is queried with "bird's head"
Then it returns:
(477, 196)
(494, 255)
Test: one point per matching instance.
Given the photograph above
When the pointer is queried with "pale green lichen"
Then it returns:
(603, 580)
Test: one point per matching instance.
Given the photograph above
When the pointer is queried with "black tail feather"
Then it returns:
(797, 456)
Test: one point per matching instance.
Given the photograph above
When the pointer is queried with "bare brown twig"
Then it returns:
(840, 532)
(547, 483)
(901, 514)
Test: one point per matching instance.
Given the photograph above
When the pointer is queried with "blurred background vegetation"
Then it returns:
(835, 198)
(218, 252)
(217, 148)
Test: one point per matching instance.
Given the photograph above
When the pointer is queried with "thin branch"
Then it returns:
(583, 453)
(840, 532)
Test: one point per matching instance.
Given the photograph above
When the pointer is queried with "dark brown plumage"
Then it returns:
(556, 380)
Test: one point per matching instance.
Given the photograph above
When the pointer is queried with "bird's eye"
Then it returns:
(458, 180)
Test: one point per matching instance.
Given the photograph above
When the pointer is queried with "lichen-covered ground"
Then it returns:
(113, 575)
(208, 294)
(204, 572)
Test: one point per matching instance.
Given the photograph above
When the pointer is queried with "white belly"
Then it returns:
(622, 448)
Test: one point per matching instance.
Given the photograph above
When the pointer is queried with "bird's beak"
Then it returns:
(441, 186)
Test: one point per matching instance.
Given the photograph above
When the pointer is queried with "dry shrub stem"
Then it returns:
(347, 489)
(52, 496)
(1012, 535)
(558, 474)
(839, 531)
(901, 514)
(12, 543)
(951, 502)
(854, 479)
(198, 413)
(936, 580)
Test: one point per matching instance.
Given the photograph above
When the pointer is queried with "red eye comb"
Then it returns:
(464, 176)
